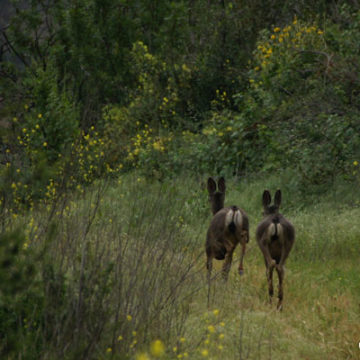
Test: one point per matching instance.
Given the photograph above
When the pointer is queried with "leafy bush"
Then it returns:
(22, 297)
(305, 106)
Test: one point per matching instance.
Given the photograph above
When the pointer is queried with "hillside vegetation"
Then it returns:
(113, 114)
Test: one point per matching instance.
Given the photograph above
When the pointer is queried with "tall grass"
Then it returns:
(124, 265)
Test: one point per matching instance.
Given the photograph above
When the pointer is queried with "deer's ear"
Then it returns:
(211, 185)
(266, 198)
(277, 199)
(221, 185)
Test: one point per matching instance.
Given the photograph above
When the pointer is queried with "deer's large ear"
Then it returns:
(266, 198)
(277, 199)
(221, 185)
(211, 185)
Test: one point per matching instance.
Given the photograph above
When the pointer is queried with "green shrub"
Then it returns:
(298, 89)
(21, 296)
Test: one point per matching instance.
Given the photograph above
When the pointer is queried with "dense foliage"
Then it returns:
(210, 87)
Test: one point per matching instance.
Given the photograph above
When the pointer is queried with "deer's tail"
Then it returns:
(275, 228)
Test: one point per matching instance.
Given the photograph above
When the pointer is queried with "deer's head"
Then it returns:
(271, 209)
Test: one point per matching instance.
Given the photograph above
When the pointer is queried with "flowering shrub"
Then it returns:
(155, 98)
(286, 58)
(298, 91)
(31, 178)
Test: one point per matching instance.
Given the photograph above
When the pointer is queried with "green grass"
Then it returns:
(137, 248)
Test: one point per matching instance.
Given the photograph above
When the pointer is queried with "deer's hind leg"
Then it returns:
(244, 240)
(270, 264)
(280, 271)
(209, 264)
(228, 260)
(269, 275)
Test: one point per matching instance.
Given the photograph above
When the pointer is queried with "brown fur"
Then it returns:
(228, 228)
(275, 236)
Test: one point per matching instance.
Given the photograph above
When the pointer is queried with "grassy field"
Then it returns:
(124, 265)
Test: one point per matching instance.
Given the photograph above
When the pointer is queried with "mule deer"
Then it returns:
(275, 236)
(229, 227)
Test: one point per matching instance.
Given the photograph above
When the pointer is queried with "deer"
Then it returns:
(275, 236)
(228, 228)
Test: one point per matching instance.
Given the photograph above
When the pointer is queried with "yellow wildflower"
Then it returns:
(142, 356)
(204, 352)
(185, 68)
(157, 348)
(211, 328)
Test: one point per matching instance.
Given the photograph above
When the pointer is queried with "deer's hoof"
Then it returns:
(241, 272)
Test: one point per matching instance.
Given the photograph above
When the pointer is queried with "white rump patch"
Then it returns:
(272, 230)
(234, 216)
